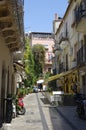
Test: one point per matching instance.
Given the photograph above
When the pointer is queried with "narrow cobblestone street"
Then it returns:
(43, 65)
(40, 115)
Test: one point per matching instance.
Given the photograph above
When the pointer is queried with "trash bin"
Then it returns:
(9, 109)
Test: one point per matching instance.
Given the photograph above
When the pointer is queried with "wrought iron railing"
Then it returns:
(80, 11)
(63, 37)
(56, 48)
(81, 55)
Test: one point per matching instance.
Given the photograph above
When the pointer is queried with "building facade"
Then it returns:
(56, 24)
(47, 41)
(70, 47)
(11, 41)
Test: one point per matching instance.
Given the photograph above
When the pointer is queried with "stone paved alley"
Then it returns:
(40, 115)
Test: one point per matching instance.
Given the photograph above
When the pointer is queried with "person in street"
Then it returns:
(40, 86)
(35, 89)
(44, 87)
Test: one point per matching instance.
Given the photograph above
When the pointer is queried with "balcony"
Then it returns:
(81, 55)
(63, 37)
(63, 40)
(17, 56)
(56, 49)
(80, 17)
(11, 23)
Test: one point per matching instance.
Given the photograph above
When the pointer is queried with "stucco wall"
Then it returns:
(6, 59)
(74, 37)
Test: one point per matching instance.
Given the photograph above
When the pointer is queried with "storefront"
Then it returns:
(65, 80)
(82, 74)
(70, 79)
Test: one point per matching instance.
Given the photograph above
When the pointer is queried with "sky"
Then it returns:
(39, 14)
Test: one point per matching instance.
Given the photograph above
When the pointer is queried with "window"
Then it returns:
(75, 51)
(49, 69)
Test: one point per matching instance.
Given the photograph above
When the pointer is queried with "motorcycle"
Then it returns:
(81, 105)
(20, 110)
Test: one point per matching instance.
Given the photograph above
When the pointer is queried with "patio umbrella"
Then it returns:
(40, 81)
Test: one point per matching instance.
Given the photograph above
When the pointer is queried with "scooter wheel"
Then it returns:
(22, 111)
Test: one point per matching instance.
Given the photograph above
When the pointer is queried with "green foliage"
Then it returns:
(39, 58)
(46, 76)
(29, 64)
(49, 89)
(51, 84)
(21, 92)
(30, 90)
(34, 59)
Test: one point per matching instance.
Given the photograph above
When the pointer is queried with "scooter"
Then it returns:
(81, 106)
(20, 110)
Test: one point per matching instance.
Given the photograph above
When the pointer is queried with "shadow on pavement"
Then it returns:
(64, 116)
(68, 116)
(45, 101)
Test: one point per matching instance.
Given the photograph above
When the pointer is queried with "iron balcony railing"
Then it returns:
(81, 55)
(80, 11)
(56, 47)
(63, 37)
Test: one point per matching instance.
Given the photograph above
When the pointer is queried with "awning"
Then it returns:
(40, 81)
(58, 76)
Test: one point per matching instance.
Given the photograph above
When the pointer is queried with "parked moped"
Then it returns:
(81, 105)
(20, 110)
